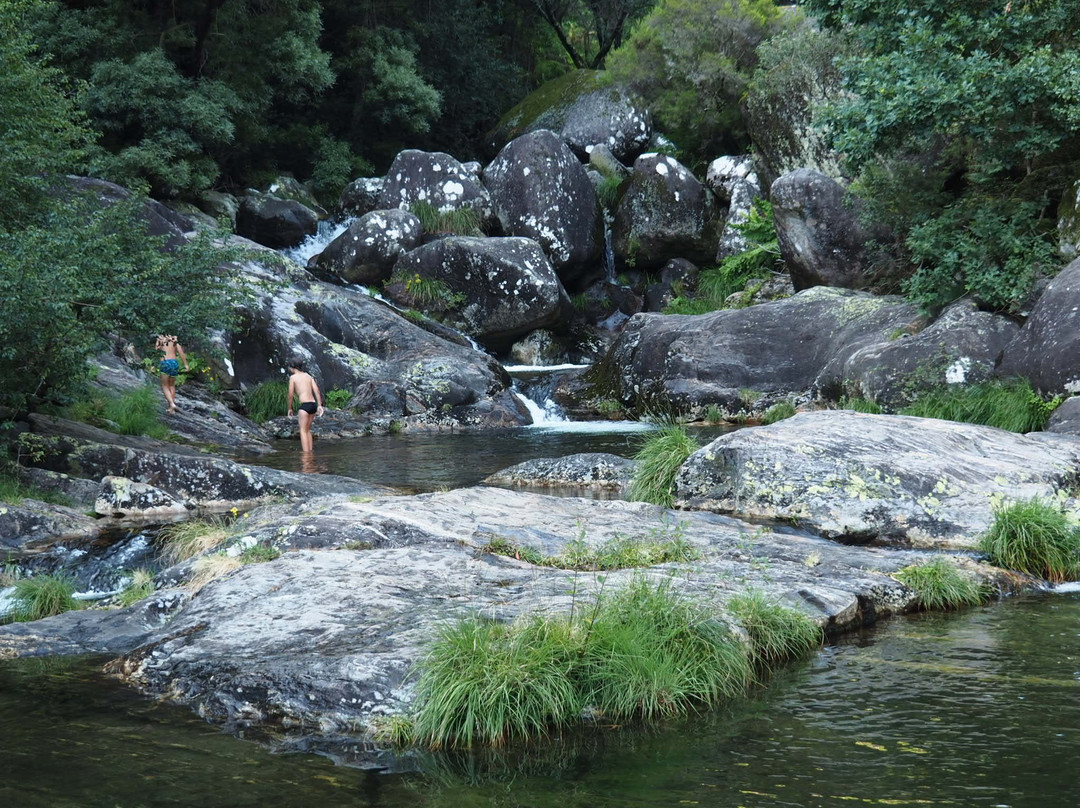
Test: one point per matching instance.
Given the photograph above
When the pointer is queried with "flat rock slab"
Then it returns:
(886, 479)
(589, 470)
(324, 638)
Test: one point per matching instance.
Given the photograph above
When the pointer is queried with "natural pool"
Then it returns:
(979, 708)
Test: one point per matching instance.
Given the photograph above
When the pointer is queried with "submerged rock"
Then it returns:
(886, 479)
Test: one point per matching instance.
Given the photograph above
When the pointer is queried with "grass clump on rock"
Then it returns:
(42, 596)
(184, 540)
(640, 653)
(1011, 404)
(267, 400)
(940, 585)
(777, 632)
(778, 412)
(659, 459)
(140, 586)
(1036, 537)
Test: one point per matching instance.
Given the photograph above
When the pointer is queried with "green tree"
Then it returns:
(589, 29)
(963, 118)
(691, 60)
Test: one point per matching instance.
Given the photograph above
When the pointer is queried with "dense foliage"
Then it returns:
(962, 117)
(73, 269)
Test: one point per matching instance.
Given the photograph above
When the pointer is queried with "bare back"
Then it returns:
(303, 387)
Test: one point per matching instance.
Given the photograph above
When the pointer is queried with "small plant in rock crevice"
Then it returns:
(939, 584)
(778, 412)
(42, 596)
(184, 540)
(139, 587)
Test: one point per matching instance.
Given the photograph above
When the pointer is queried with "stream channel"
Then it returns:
(976, 708)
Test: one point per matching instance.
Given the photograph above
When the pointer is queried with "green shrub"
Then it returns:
(42, 596)
(141, 586)
(427, 293)
(860, 405)
(778, 412)
(1035, 537)
(338, 399)
(267, 400)
(659, 460)
(777, 633)
(940, 585)
(641, 653)
(1012, 404)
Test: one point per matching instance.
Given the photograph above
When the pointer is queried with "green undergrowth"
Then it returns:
(338, 399)
(622, 552)
(42, 596)
(267, 400)
(641, 653)
(13, 490)
(140, 586)
(857, 404)
(940, 585)
(1036, 537)
(461, 222)
(777, 633)
(659, 459)
(1011, 404)
(778, 412)
(134, 413)
(429, 294)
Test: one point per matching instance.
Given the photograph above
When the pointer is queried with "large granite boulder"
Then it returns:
(361, 196)
(777, 349)
(493, 289)
(291, 189)
(664, 213)
(735, 182)
(30, 525)
(1047, 349)
(220, 205)
(119, 496)
(1066, 417)
(365, 253)
(439, 180)
(821, 239)
(586, 111)
(274, 222)
(348, 338)
(888, 479)
(961, 347)
(542, 192)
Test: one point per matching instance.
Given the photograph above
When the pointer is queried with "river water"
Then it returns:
(979, 708)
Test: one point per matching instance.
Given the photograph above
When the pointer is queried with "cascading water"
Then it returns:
(328, 230)
(534, 385)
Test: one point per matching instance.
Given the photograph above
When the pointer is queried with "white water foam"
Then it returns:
(540, 368)
(313, 245)
(1071, 586)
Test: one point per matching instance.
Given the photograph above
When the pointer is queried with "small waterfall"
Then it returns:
(328, 230)
(609, 253)
(534, 386)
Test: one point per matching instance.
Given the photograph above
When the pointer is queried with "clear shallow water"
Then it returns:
(980, 708)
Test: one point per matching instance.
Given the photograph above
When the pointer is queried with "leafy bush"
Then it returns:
(338, 399)
(1036, 537)
(267, 400)
(43, 596)
(778, 412)
(777, 632)
(1012, 404)
(659, 459)
(940, 585)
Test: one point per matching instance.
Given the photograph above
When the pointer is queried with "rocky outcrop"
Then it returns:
(291, 189)
(821, 239)
(1047, 349)
(1066, 417)
(541, 191)
(274, 222)
(777, 349)
(664, 213)
(585, 111)
(221, 206)
(365, 253)
(119, 496)
(361, 196)
(439, 180)
(961, 347)
(885, 479)
(348, 339)
(1069, 222)
(493, 289)
(366, 586)
(593, 472)
(26, 527)
(735, 182)
(161, 221)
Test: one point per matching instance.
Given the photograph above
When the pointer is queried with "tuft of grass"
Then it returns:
(1036, 537)
(259, 554)
(136, 413)
(183, 540)
(713, 414)
(211, 567)
(461, 222)
(777, 632)
(267, 400)
(607, 191)
(641, 653)
(940, 585)
(857, 404)
(621, 552)
(397, 730)
(430, 294)
(778, 412)
(42, 596)
(659, 459)
(141, 586)
(1011, 404)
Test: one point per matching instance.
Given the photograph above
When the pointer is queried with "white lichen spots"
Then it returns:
(436, 168)
(662, 169)
(453, 190)
(957, 372)
(1072, 386)
(526, 171)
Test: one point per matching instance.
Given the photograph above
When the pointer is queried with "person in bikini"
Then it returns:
(170, 366)
(304, 387)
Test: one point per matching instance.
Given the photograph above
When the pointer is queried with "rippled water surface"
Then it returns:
(980, 708)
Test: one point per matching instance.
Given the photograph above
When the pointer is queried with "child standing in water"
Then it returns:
(304, 387)
(170, 366)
